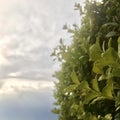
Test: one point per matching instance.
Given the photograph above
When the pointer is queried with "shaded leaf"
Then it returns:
(90, 96)
(119, 47)
(117, 103)
(115, 72)
(111, 34)
(110, 24)
(107, 90)
(98, 99)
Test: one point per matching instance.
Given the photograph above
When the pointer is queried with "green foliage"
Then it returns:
(88, 86)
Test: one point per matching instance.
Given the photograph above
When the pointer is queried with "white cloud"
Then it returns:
(29, 31)
(16, 86)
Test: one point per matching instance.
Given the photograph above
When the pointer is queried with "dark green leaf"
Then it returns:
(119, 47)
(90, 96)
(115, 72)
(107, 90)
(111, 34)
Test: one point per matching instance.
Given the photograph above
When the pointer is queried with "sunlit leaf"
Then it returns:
(103, 77)
(74, 78)
(98, 99)
(84, 85)
(109, 57)
(70, 88)
(97, 67)
(95, 84)
(95, 52)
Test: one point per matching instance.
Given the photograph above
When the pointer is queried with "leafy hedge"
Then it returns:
(88, 86)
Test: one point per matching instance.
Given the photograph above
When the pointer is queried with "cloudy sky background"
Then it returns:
(29, 31)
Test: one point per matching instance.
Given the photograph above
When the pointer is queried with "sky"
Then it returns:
(29, 31)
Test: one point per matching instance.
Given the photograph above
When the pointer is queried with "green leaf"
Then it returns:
(65, 27)
(108, 117)
(95, 51)
(95, 84)
(111, 34)
(115, 72)
(90, 96)
(98, 67)
(93, 117)
(70, 88)
(110, 24)
(117, 116)
(117, 102)
(84, 85)
(90, 116)
(103, 77)
(98, 99)
(109, 57)
(119, 47)
(107, 90)
(74, 78)
(56, 111)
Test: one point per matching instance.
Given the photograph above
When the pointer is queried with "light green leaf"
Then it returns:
(74, 78)
(109, 57)
(95, 51)
(97, 67)
(103, 77)
(108, 117)
(84, 85)
(95, 84)
(98, 99)
(70, 88)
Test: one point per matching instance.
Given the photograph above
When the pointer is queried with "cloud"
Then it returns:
(15, 86)
(25, 31)
(29, 30)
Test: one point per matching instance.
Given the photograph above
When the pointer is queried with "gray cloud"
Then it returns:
(29, 30)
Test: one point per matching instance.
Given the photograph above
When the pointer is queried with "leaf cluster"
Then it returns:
(88, 86)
